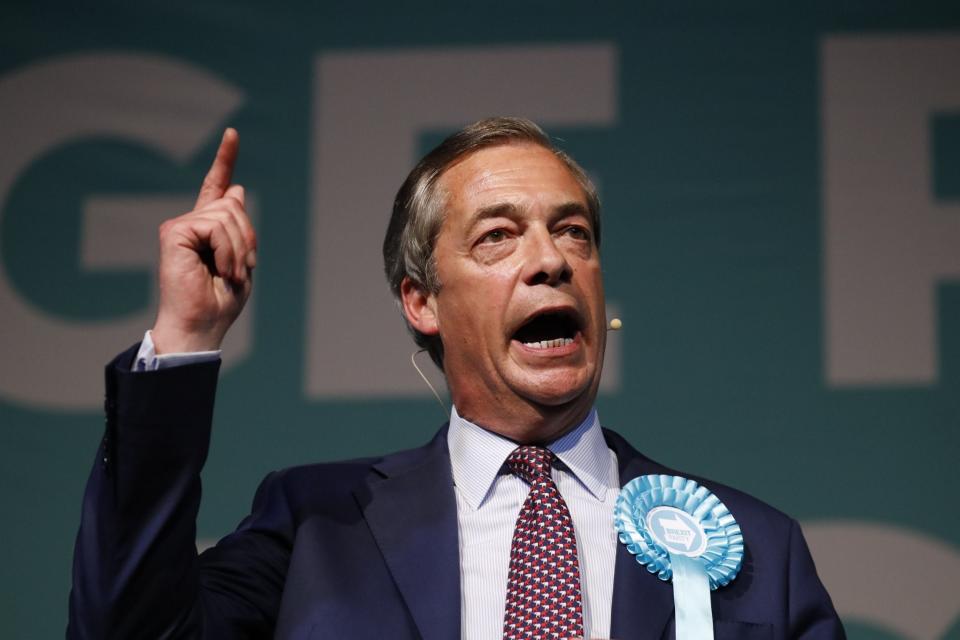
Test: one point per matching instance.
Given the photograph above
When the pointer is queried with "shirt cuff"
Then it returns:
(148, 360)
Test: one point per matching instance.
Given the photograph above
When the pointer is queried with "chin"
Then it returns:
(553, 390)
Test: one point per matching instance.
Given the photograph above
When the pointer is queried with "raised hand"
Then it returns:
(207, 258)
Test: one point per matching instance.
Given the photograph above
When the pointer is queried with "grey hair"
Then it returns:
(420, 205)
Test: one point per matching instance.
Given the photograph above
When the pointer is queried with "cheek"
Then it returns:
(591, 283)
(479, 306)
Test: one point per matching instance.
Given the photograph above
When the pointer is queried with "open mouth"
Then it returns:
(549, 330)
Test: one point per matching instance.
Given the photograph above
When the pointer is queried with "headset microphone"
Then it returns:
(616, 324)
(413, 360)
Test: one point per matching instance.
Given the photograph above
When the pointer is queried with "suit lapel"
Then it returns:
(642, 604)
(411, 510)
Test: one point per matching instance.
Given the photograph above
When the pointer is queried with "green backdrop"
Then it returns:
(733, 147)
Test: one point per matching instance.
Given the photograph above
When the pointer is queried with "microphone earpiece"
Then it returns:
(616, 324)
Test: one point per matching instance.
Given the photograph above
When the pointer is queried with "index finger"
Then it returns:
(221, 171)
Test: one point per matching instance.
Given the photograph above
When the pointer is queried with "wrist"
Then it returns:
(167, 340)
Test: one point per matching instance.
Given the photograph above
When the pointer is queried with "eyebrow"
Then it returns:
(510, 210)
(572, 209)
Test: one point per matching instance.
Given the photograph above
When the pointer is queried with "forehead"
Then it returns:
(519, 173)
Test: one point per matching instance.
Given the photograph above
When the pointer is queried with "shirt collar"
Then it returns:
(477, 455)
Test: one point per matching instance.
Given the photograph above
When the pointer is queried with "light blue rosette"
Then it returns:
(679, 530)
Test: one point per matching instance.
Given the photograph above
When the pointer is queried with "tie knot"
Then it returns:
(530, 462)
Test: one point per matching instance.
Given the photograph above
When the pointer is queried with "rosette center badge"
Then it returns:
(676, 531)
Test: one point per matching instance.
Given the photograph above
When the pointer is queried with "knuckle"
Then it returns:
(170, 227)
(222, 208)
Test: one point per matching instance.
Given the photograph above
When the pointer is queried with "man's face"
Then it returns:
(520, 308)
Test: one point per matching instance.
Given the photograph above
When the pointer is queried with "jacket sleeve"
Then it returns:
(811, 612)
(136, 572)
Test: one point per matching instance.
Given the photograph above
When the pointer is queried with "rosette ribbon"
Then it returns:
(679, 530)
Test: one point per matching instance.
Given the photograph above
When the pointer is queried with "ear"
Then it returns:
(420, 307)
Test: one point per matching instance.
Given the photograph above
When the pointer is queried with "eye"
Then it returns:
(493, 237)
(577, 232)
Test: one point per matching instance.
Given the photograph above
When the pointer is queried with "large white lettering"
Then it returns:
(888, 576)
(175, 108)
(369, 108)
(887, 243)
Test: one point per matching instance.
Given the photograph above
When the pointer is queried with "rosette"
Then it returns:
(679, 530)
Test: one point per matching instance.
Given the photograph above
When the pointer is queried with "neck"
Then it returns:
(537, 425)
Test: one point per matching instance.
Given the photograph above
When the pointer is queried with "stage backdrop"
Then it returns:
(781, 191)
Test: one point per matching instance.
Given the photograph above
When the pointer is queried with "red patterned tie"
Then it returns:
(543, 588)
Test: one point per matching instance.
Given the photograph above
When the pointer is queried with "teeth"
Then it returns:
(549, 344)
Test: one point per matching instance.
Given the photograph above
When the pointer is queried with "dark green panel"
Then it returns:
(945, 139)
(711, 181)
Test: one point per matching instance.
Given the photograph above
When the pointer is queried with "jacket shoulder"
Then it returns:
(331, 487)
(758, 519)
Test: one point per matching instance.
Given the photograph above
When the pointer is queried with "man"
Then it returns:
(493, 253)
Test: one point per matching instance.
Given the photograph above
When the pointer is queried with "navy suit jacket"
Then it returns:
(358, 549)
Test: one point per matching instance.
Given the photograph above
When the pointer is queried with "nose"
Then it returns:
(545, 263)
